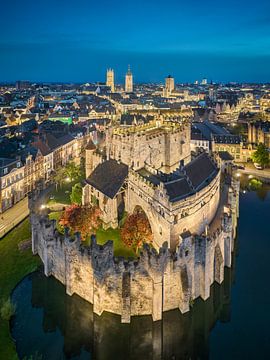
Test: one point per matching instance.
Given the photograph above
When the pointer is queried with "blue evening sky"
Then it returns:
(57, 40)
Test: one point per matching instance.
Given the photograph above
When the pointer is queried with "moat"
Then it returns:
(232, 324)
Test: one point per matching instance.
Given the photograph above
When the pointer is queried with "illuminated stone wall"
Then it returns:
(153, 283)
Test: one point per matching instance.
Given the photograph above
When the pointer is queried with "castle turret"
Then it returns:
(89, 152)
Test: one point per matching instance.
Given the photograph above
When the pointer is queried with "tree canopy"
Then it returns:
(76, 194)
(71, 172)
(261, 155)
(136, 231)
(83, 219)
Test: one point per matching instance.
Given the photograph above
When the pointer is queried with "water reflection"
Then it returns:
(50, 323)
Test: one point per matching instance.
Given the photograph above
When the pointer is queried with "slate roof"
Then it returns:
(227, 139)
(200, 169)
(55, 142)
(177, 188)
(224, 155)
(108, 177)
(186, 181)
(8, 163)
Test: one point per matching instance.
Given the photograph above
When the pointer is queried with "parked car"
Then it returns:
(258, 166)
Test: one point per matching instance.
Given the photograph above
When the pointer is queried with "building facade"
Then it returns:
(11, 182)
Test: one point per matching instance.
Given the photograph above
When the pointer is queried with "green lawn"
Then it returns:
(62, 194)
(55, 215)
(113, 234)
(14, 265)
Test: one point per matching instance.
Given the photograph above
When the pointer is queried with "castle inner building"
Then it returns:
(149, 167)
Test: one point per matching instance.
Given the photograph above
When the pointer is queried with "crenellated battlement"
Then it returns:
(154, 282)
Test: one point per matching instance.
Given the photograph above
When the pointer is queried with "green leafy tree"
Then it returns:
(76, 194)
(73, 171)
(261, 155)
(59, 177)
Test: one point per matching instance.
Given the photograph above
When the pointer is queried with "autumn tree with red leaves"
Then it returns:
(136, 231)
(83, 219)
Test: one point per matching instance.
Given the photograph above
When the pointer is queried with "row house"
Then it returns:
(234, 145)
(11, 182)
(18, 177)
(38, 168)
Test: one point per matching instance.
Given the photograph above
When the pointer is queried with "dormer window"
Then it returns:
(5, 170)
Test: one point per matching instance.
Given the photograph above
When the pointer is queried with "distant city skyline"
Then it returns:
(78, 41)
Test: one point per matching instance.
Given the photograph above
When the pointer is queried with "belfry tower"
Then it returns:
(129, 81)
(110, 79)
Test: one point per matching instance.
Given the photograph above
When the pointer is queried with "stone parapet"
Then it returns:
(157, 281)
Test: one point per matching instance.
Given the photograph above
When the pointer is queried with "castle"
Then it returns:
(149, 168)
(193, 220)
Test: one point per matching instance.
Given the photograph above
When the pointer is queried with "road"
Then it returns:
(12, 217)
(251, 170)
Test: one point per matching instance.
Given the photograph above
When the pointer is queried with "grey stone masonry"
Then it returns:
(157, 281)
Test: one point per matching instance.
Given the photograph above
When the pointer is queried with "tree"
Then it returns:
(83, 219)
(59, 177)
(76, 194)
(73, 171)
(261, 155)
(136, 231)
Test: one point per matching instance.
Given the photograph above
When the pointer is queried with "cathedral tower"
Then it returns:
(110, 79)
(129, 81)
(169, 86)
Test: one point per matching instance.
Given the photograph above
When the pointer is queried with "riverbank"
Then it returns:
(15, 264)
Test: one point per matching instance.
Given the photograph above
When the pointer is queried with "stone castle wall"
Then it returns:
(153, 283)
(167, 219)
(162, 146)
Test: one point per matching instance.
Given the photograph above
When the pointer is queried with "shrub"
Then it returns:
(76, 194)
(255, 184)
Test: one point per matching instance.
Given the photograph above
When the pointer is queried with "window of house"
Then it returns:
(5, 170)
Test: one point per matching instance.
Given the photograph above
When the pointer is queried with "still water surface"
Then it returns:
(234, 323)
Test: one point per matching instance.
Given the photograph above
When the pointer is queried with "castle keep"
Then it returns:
(193, 219)
(148, 168)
